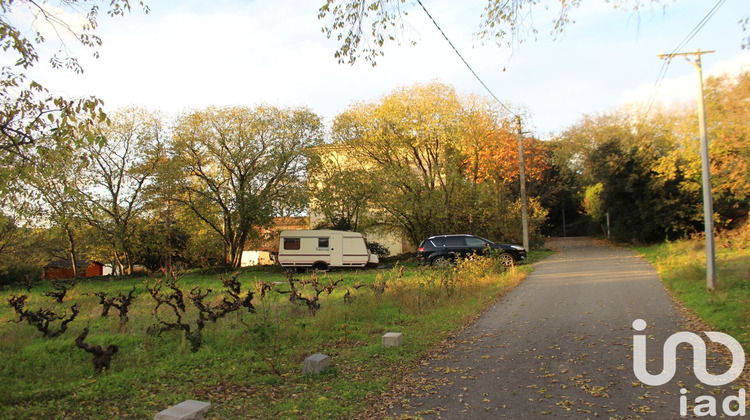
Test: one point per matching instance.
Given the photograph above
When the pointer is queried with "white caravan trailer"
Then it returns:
(321, 249)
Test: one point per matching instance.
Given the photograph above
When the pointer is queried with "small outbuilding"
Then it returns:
(64, 269)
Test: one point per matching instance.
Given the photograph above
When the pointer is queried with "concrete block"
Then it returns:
(392, 339)
(186, 410)
(316, 363)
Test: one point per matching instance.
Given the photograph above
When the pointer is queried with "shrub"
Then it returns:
(378, 249)
(18, 274)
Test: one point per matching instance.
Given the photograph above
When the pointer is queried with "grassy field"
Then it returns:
(682, 266)
(249, 364)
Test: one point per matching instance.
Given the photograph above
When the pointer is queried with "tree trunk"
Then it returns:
(227, 241)
(72, 249)
(238, 245)
(119, 264)
(129, 262)
(168, 244)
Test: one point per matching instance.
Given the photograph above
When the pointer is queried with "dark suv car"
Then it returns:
(442, 249)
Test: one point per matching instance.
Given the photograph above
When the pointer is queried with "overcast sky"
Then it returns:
(196, 53)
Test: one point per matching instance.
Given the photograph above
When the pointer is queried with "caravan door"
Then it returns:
(336, 247)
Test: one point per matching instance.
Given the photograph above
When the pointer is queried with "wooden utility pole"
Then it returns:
(708, 206)
(522, 179)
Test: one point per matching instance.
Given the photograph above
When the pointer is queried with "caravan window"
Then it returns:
(292, 243)
(322, 243)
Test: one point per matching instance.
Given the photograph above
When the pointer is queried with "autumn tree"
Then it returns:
(482, 129)
(635, 196)
(242, 166)
(643, 172)
(341, 190)
(122, 166)
(592, 204)
(38, 128)
(29, 112)
(52, 198)
(491, 163)
(164, 235)
(45, 194)
(649, 166)
(409, 142)
(11, 237)
(728, 105)
(433, 162)
(363, 27)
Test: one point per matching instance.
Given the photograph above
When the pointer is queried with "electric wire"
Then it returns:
(517, 116)
(659, 79)
(665, 64)
(464, 60)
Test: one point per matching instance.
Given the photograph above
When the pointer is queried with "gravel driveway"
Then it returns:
(561, 345)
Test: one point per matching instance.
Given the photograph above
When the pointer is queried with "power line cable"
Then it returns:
(657, 85)
(700, 25)
(665, 64)
(464, 60)
(522, 179)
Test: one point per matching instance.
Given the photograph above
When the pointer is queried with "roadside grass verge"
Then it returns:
(682, 267)
(249, 364)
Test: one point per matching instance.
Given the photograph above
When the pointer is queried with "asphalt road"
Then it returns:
(561, 345)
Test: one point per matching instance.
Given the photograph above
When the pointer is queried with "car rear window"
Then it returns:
(475, 242)
(455, 241)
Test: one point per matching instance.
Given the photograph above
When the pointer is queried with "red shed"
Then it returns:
(64, 269)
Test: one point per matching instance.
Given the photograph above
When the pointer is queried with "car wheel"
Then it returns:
(440, 261)
(507, 260)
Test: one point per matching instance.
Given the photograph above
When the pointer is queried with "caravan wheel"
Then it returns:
(320, 266)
